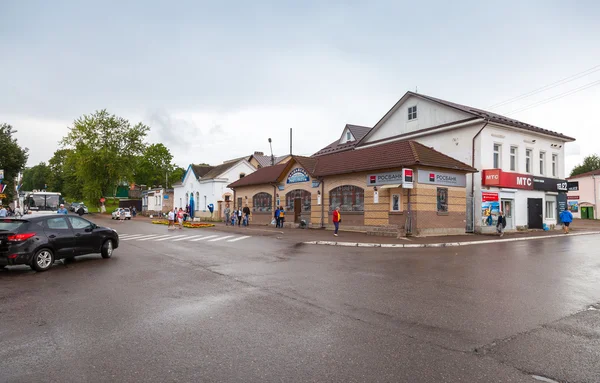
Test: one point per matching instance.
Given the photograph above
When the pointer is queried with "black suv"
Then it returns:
(39, 241)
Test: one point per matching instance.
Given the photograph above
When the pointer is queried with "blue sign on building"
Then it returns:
(298, 175)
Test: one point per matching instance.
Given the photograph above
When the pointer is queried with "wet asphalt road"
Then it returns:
(263, 310)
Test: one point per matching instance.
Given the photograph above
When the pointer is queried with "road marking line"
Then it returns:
(126, 235)
(131, 237)
(147, 237)
(198, 239)
(220, 238)
(159, 236)
(239, 238)
(185, 238)
(168, 237)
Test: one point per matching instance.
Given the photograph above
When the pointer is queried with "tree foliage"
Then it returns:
(13, 159)
(63, 174)
(590, 163)
(154, 166)
(176, 175)
(36, 177)
(105, 148)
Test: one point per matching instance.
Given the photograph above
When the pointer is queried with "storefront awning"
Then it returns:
(389, 186)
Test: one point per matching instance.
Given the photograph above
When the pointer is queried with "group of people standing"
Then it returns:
(279, 217)
(238, 216)
(9, 212)
(176, 216)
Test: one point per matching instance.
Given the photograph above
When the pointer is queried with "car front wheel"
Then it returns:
(42, 260)
(107, 249)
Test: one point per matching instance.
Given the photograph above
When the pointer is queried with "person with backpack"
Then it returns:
(276, 216)
(566, 217)
(281, 216)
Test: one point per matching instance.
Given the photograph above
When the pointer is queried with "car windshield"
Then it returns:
(10, 224)
(43, 202)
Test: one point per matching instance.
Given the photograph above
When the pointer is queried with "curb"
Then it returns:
(447, 244)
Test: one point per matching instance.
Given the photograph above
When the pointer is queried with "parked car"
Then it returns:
(117, 213)
(74, 206)
(39, 241)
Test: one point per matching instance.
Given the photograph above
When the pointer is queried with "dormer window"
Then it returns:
(242, 175)
(348, 136)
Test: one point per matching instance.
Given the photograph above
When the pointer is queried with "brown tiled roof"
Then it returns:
(586, 174)
(357, 131)
(266, 175)
(308, 163)
(201, 170)
(392, 155)
(220, 169)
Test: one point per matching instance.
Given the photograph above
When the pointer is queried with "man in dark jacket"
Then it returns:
(246, 215)
(80, 211)
(501, 224)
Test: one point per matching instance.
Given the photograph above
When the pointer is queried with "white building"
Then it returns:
(206, 185)
(156, 201)
(521, 166)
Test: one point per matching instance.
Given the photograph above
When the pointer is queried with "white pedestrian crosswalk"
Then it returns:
(181, 237)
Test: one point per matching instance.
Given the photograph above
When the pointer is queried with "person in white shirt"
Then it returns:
(171, 218)
(3, 212)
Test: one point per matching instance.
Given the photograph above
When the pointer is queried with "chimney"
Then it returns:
(259, 153)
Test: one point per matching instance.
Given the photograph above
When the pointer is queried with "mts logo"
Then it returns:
(492, 176)
(523, 181)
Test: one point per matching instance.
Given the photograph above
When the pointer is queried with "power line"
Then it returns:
(549, 86)
(565, 94)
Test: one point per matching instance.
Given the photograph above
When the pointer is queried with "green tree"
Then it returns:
(590, 163)
(176, 175)
(36, 177)
(63, 174)
(154, 165)
(105, 148)
(13, 159)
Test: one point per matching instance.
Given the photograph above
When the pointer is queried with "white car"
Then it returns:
(117, 213)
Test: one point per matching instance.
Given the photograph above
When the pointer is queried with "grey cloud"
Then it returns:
(173, 132)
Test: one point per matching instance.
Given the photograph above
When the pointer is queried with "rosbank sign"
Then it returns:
(498, 178)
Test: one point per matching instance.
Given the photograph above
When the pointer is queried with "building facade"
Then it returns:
(157, 201)
(521, 167)
(584, 195)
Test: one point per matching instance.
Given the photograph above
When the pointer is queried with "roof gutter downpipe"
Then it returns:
(487, 121)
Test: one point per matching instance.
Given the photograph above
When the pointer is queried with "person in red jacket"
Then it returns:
(337, 218)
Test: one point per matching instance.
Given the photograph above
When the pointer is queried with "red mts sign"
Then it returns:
(496, 177)
(489, 197)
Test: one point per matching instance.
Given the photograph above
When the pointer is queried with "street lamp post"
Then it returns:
(272, 158)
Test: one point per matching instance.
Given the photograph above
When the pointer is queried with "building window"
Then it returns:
(348, 136)
(555, 165)
(550, 209)
(348, 198)
(262, 202)
(442, 200)
(497, 156)
(513, 158)
(412, 113)
(242, 175)
(395, 202)
(542, 163)
(528, 153)
(302, 195)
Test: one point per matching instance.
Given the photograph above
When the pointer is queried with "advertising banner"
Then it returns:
(441, 178)
(390, 178)
(498, 178)
(490, 208)
(298, 175)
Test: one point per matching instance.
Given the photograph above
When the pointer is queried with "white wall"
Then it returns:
(429, 114)
(155, 200)
(190, 184)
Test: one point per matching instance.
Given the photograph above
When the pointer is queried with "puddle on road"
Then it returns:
(544, 379)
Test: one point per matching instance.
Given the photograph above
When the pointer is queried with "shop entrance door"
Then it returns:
(534, 213)
(587, 212)
(507, 209)
(297, 209)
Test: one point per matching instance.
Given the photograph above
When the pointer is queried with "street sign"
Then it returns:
(102, 200)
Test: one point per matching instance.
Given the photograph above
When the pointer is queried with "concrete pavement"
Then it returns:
(263, 309)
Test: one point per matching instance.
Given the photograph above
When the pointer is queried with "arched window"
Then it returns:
(348, 198)
(302, 195)
(262, 202)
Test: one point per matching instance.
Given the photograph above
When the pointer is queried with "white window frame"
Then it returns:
(392, 202)
(514, 157)
(554, 165)
(542, 162)
(412, 113)
(348, 136)
(550, 212)
(529, 158)
(499, 153)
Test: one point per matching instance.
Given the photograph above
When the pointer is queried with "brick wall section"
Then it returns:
(427, 220)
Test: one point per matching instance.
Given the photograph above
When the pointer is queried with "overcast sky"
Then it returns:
(214, 80)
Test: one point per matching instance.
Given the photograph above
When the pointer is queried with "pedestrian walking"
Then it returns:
(180, 215)
(566, 217)
(171, 218)
(501, 224)
(18, 212)
(133, 212)
(281, 216)
(227, 214)
(336, 218)
(3, 212)
(239, 216)
(276, 216)
(246, 215)
(62, 210)
(81, 212)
